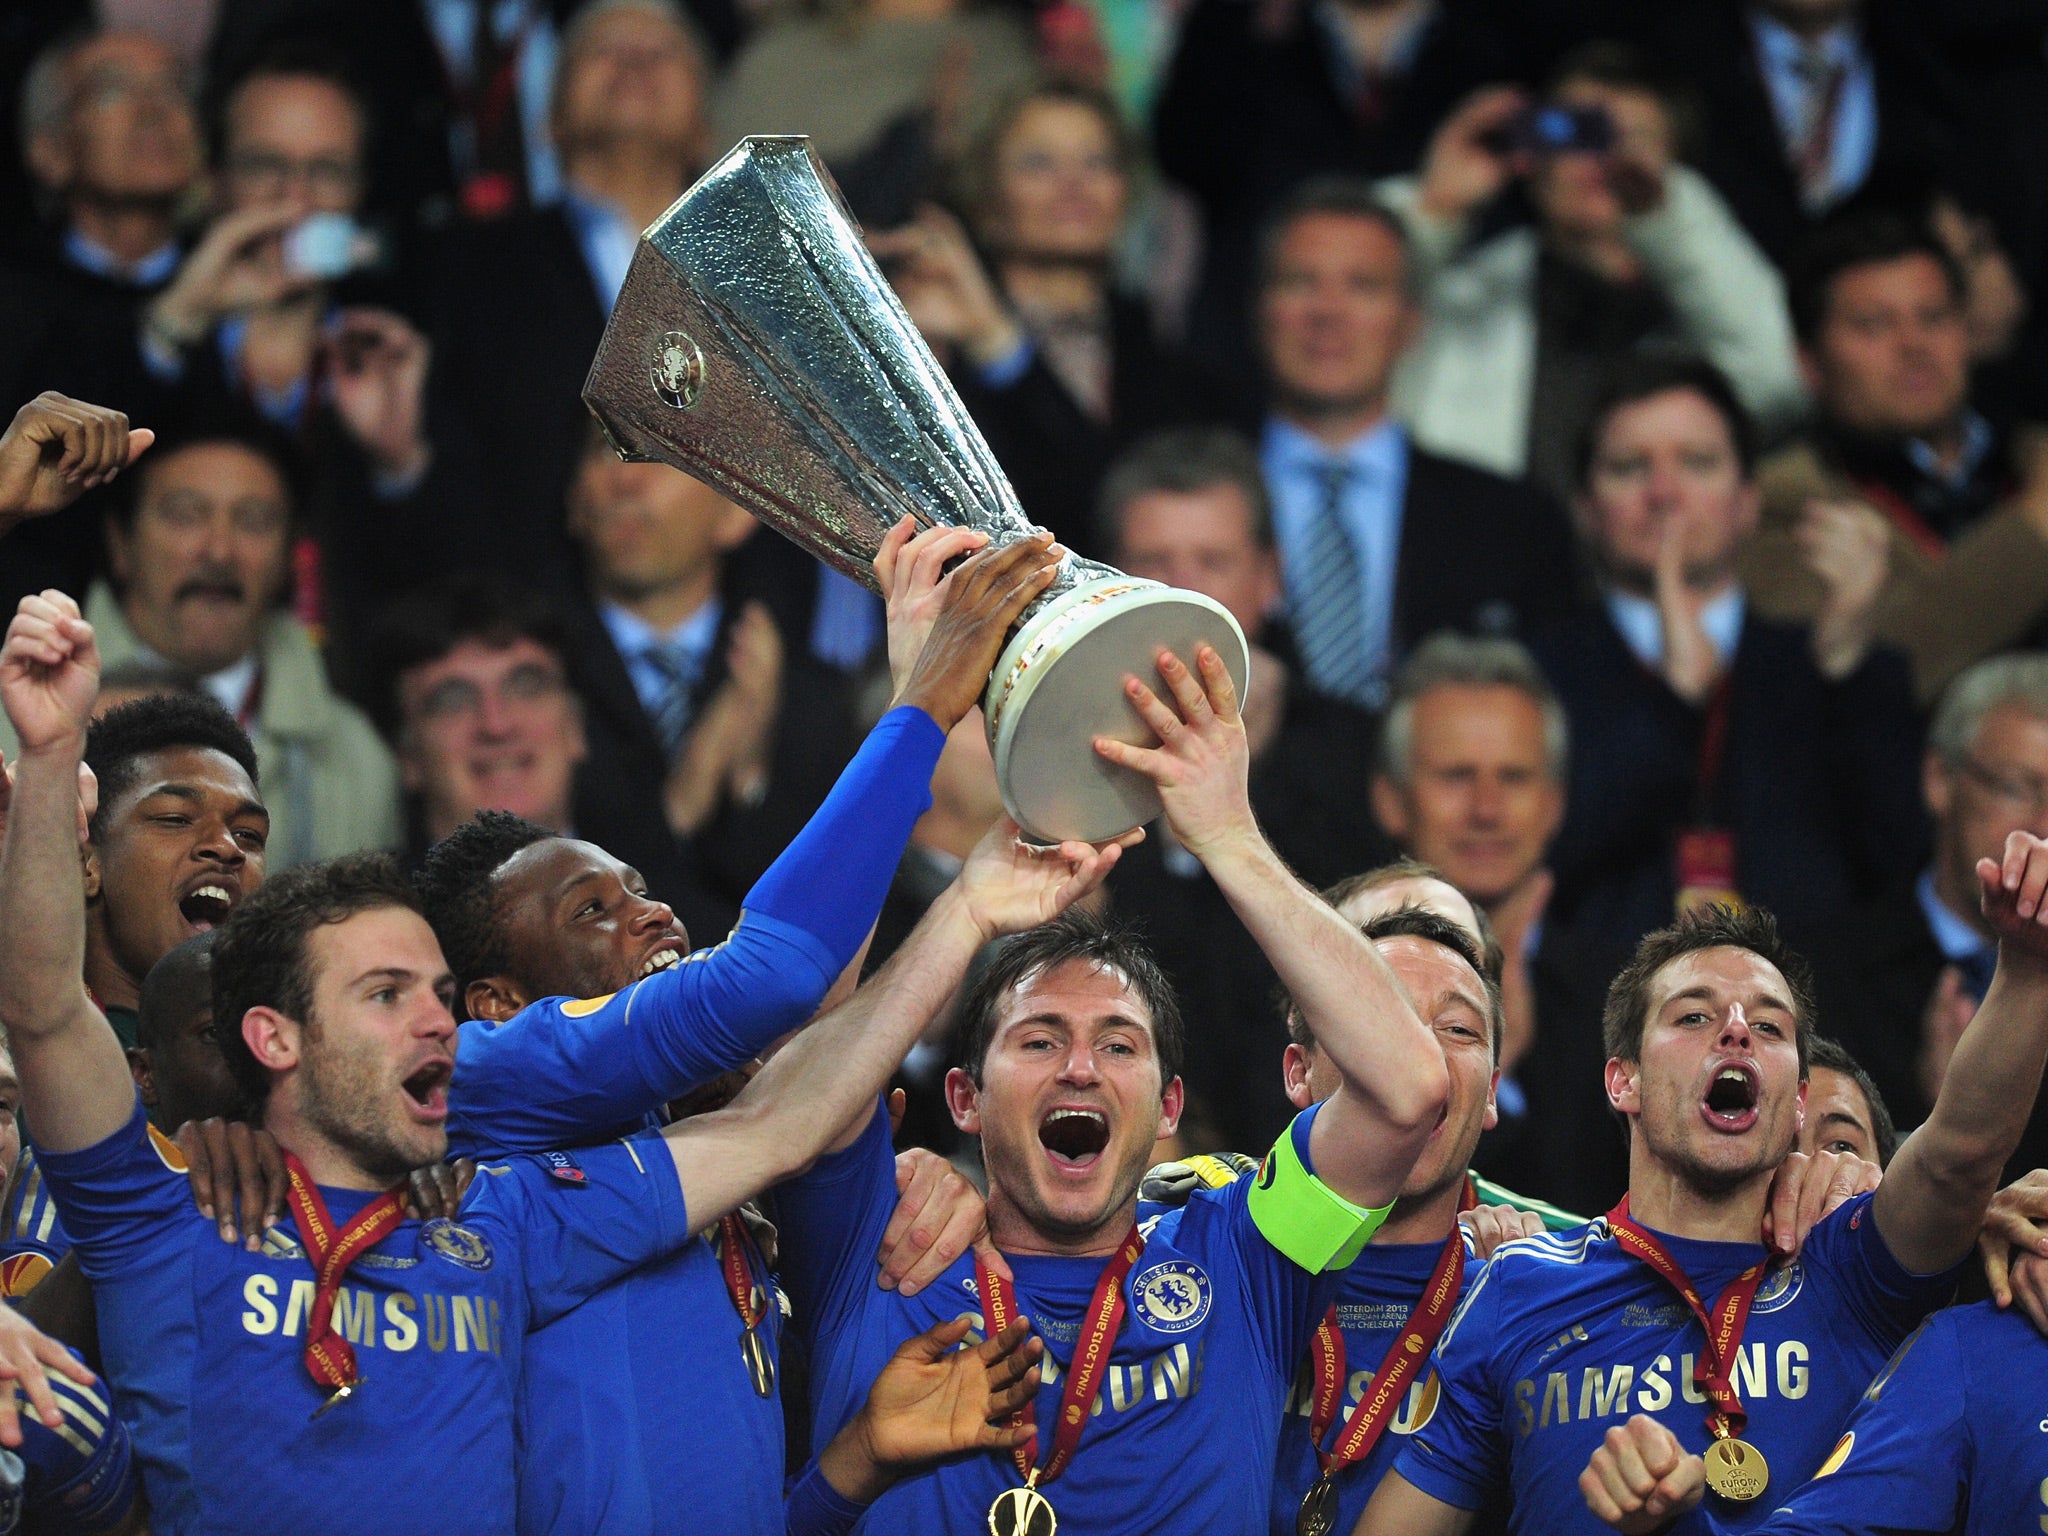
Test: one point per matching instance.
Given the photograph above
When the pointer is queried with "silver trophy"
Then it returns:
(757, 346)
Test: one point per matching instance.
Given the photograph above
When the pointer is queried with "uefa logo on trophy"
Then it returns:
(757, 346)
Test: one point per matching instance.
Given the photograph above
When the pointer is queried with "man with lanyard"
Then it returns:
(1669, 1317)
(587, 1014)
(1186, 1336)
(357, 1370)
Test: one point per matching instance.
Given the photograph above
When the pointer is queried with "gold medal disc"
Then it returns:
(760, 1368)
(1021, 1512)
(1736, 1470)
(1318, 1513)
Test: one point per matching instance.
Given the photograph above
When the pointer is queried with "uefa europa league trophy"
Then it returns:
(757, 346)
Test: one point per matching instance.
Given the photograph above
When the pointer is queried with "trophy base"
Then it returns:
(1059, 685)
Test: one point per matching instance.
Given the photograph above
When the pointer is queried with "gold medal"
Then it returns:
(760, 1368)
(1736, 1470)
(1021, 1512)
(1318, 1513)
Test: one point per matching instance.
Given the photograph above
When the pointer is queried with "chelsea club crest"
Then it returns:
(1779, 1289)
(457, 1244)
(1171, 1297)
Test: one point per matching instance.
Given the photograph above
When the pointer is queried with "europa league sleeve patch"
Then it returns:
(1303, 1217)
(563, 1168)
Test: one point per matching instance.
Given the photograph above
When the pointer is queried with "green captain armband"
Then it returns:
(1303, 1217)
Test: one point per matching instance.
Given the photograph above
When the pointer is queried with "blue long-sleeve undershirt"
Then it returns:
(565, 1073)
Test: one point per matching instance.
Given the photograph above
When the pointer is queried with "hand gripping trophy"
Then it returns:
(757, 346)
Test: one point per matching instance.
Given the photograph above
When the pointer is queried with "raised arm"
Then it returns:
(75, 1086)
(819, 1090)
(1932, 1201)
(1367, 1136)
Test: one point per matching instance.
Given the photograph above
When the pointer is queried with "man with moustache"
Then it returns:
(1588, 1371)
(201, 566)
(1156, 1342)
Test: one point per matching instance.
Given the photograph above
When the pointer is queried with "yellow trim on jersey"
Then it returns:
(167, 1151)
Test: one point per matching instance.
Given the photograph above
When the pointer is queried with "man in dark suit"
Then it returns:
(1807, 101)
(1189, 508)
(1901, 976)
(1380, 543)
(1714, 756)
(705, 728)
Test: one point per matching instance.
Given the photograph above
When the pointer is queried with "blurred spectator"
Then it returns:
(1189, 508)
(886, 89)
(1262, 96)
(712, 734)
(1059, 369)
(1630, 248)
(1806, 100)
(1844, 1112)
(142, 678)
(1952, 563)
(113, 145)
(1472, 781)
(1712, 757)
(110, 135)
(472, 690)
(199, 571)
(1902, 975)
(522, 301)
(1380, 541)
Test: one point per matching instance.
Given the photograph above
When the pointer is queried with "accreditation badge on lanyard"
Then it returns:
(1703, 854)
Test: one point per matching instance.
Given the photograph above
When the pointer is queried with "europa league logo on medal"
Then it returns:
(1022, 1512)
(757, 346)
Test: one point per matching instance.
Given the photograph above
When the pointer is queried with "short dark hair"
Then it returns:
(262, 960)
(1624, 67)
(215, 424)
(1650, 374)
(426, 626)
(119, 740)
(1420, 923)
(1861, 237)
(1184, 460)
(458, 893)
(1493, 958)
(1350, 197)
(298, 59)
(1080, 936)
(1829, 1054)
(177, 984)
(1716, 927)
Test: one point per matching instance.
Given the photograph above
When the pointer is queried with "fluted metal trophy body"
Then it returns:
(757, 346)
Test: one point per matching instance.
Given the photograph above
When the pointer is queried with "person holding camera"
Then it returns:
(1627, 247)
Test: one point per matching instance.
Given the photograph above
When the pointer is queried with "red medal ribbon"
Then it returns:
(1723, 1325)
(747, 1299)
(330, 1359)
(1091, 1356)
(1425, 1324)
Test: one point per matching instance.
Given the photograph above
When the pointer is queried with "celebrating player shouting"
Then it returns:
(1591, 1370)
(356, 1373)
(1159, 1343)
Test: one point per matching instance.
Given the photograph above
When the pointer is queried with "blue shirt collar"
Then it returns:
(90, 256)
(1379, 449)
(635, 637)
(1643, 630)
(1976, 445)
(1954, 937)
(1780, 47)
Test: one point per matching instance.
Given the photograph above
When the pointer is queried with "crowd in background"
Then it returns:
(1618, 428)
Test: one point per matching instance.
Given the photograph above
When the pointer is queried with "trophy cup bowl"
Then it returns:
(757, 346)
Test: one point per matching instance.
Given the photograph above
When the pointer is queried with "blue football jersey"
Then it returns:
(32, 1237)
(80, 1475)
(1379, 1290)
(1951, 1436)
(662, 1347)
(1185, 1426)
(1562, 1337)
(204, 1341)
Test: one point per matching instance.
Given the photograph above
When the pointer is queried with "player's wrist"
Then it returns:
(851, 1464)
